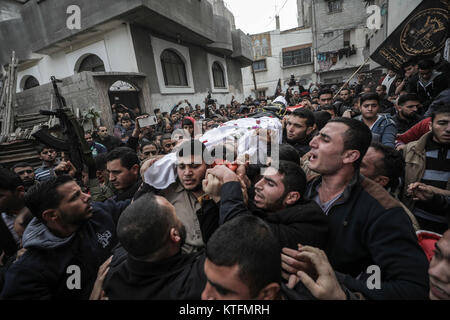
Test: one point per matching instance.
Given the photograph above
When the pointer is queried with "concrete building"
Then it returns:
(339, 34)
(278, 55)
(393, 12)
(153, 52)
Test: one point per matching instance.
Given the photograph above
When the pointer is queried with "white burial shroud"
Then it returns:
(242, 131)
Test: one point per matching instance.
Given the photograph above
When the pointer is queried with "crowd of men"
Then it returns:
(357, 207)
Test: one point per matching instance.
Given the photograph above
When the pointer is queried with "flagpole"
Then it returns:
(348, 80)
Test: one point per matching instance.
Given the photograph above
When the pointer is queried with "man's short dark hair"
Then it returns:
(294, 178)
(43, 196)
(407, 97)
(426, 64)
(41, 148)
(248, 242)
(322, 117)
(187, 122)
(440, 109)
(325, 91)
(392, 165)
(345, 89)
(100, 161)
(329, 107)
(369, 96)
(143, 228)
(357, 137)
(147, 143)
(289, 153)
(305, 114)
(128, 158)
(21, 165)
(9, 180)
(410, 62)
(165, 136)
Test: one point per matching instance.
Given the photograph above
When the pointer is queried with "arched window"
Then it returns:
(91, 63)
(174, 70)
(218, 75)
(30, 82)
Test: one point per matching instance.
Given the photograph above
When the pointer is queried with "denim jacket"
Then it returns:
(384, 130)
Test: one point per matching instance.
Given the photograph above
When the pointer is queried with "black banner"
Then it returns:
(422, 34)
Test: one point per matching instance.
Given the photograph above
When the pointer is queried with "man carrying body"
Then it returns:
(367, 226)
(300, 125)
(279, 200)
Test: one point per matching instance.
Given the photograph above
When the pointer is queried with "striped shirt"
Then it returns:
(437, 174)
(44, 173)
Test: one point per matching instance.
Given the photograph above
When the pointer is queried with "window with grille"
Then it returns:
(31, 82)
(334, 6)
(174, 70)
(346, 38)
(295, 57)
(92, 63)
(259, 65)
(218, 75)
(260, 93)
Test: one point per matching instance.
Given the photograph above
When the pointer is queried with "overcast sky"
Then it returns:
(256, 16)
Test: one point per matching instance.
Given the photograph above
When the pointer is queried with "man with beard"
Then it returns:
(123, 168)
(25, 171)
(300, 125)
(279, 200)
(407, 107)
(110, 142)
(66, 242)
(346, 102)
(428, 163)
(367, 226)
(198, 215)
(150, 263)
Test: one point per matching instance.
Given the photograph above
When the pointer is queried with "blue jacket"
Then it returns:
(384, 130)
(43, 271)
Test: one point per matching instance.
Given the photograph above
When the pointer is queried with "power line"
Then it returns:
(277, 13)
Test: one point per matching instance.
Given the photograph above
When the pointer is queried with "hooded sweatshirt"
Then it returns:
(63, 268)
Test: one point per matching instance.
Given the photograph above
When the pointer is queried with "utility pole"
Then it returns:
(254, 81)
(314, 28)
(8, 97)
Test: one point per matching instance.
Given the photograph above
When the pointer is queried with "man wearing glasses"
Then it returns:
(48, 157)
